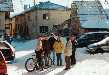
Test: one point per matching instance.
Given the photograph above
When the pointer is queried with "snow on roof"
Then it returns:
(44, 6)
(107, 11)
(90, 15)
(6, 5)
(49, 5)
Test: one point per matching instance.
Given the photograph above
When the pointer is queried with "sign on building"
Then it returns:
(6, 5)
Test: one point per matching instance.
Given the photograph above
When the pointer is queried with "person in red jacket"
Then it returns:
(73, 40)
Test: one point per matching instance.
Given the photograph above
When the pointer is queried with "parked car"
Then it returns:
(3, 67)
(89, 38)
(8, 50)
(99, 47)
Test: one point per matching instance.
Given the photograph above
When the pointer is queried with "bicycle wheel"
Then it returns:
(30, 65)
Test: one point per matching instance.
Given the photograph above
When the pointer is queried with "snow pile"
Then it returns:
(86, 65)
(90, 67)
(20, 54)
(104, 41)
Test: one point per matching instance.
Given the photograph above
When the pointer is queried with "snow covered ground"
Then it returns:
(97, 64)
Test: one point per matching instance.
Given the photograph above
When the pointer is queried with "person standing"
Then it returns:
(51, 41)
(73, 40)
(68, 53)
(58, 47)
(39, 52)
(46, 51)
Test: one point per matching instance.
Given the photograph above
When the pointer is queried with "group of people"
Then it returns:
(46, 46)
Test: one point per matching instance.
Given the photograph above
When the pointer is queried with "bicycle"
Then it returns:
(32, 63)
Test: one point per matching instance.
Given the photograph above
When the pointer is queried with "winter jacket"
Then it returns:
(68, 49)
(39, 45)
(58, 46)
(73, 40)
(51, 41)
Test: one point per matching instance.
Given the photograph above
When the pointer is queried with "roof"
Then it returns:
(49, 5)
(43, 6)
(96, 23)
(6, 5)
(90, 15)
(107, 11)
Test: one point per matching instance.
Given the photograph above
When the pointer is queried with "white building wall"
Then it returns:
(55, 17)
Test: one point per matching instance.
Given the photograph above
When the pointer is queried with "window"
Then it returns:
(7, 26)
(45, 16)
(29, 18)
(43, 29)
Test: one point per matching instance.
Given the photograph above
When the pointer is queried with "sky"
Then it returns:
(19, 4)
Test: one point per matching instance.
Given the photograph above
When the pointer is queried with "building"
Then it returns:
(19, 25)
(92, 16)
(40, 19)
(6, 7)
